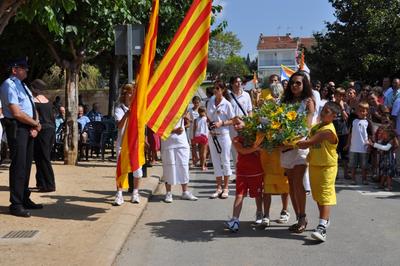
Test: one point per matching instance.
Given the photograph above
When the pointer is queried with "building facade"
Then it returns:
(274, 51)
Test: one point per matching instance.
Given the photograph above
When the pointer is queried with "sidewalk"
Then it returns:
(78, 225)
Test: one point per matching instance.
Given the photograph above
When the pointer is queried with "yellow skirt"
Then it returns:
(322, 181)
(275, 181)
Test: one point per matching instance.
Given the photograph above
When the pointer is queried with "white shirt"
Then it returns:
(396, 113)
(359, 136)
(193, 116)
(222, 112)
(119, 112)
(175, 140)
(244, 100)
(202, 128)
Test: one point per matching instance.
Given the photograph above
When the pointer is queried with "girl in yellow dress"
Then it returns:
(275, 183)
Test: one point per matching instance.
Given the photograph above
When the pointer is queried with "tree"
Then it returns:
(235, 66)
(8, 9)
(224, 44)
(362, 44)
(77, 31)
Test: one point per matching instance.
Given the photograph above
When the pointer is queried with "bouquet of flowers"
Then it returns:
(276, 123)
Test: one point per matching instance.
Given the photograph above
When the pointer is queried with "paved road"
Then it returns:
(365, 230)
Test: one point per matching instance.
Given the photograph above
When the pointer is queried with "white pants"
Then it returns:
(176, 165)
(221, 161)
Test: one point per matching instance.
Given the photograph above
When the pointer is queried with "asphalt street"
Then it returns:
(365, 230)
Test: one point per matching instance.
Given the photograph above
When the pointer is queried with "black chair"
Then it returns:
(108, 136)
(94, 142)
(58, 148)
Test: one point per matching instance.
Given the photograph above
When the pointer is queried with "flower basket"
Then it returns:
(278, 124)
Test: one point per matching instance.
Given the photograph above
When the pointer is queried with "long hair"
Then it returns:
(288, 96)
(220, 84)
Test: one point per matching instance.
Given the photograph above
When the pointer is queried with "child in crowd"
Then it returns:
(323, 165)
(359, 137)
(200, 133)
(249, 178)
(275, 183)
(342, 130)
(192, 115)
(386, 144)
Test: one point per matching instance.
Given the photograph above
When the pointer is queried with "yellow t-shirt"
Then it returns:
(266, 94)
(324, 153)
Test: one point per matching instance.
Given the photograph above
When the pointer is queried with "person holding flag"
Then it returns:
(121, 115)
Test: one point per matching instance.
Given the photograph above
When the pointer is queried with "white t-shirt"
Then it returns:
(202, 128)
(175, 140)
(396, 113)
(359, 136)
(193, 116)
(222, 112)
(119, 112)
(244, 100)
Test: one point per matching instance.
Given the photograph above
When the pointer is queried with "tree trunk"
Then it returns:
(71, 106)
(114, 83)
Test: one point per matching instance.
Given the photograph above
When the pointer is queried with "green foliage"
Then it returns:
(90, 78)
(223, 45)
(362, 44)
(277, 123)
(235, 66)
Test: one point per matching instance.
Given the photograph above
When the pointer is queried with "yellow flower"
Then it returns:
(291, 115)
(278, 111)
(275, 125)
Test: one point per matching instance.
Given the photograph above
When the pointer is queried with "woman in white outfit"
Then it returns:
(121, 115)
(293, 160)
(175, 155)
(220, 114)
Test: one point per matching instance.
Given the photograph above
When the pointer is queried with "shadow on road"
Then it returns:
(209, 230)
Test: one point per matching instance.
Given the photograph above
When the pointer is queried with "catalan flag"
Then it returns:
(286, 72)
(181, 70)
(131, 157)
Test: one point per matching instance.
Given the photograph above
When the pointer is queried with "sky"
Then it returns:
(249, 18)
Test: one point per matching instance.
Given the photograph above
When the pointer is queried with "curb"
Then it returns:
(108, 248)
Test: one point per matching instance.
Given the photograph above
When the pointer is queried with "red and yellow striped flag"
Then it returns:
(181, 70)
(131, 157)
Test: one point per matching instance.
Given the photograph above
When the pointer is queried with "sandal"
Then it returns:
(302, 225)
(293, 227)
(216, 194)
(225, 194)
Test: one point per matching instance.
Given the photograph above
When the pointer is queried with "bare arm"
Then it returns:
(24, 118)
(245, 150)
(318, 138)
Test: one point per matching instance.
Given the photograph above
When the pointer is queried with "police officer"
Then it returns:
(21, 126)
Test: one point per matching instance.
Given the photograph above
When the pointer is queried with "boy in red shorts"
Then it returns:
(249, 178)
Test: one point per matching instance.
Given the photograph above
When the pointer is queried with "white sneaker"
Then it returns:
(168, 197)
(232, 225)
(119, 199)
(259, 218)
(284, 217)
(265, 221)
(135, 198)
(187, 195)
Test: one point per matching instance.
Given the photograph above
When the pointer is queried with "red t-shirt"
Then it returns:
(248, 165)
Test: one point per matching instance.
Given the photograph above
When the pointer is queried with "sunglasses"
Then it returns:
(298, 83)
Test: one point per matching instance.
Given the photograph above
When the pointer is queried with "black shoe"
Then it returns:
(29, 204)
(20, 212)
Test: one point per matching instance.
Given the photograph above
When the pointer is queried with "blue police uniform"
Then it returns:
(14, 91)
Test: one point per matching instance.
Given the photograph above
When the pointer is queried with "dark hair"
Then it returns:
(221, 84)
(306, 93)
(334, 107)
(196, 98)
(209, 91)
(233, 79)
(202, 109)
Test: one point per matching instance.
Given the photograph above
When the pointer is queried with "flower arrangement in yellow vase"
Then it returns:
(278, 124)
